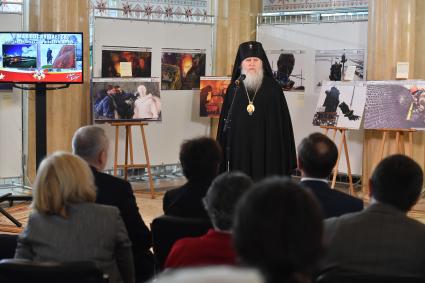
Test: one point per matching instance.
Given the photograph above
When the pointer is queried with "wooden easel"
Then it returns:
(399, 140)
(129, 145)
(343, 142)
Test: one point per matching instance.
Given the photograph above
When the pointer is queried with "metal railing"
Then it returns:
(313, 17)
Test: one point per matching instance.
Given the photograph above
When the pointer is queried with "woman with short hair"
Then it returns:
(66, 224)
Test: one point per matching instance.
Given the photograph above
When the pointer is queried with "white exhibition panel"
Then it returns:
(312, 37)
(180, 109)
(11, 115)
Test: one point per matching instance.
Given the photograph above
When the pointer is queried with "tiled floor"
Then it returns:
(152, 208)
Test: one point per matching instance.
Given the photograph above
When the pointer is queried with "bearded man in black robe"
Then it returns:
(255, 129)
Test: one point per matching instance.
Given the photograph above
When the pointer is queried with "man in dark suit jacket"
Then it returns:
(317, 155)
(91, 143)
(382, 239)
(200, 158)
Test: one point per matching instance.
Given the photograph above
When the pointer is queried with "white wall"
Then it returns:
(11, 115)
(311, 37)
(180, 109)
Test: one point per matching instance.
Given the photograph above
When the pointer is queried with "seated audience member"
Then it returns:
(200, 158)
(382, 239)
(213, 274)
(66, 224)
(278, 229)
(317, 155)
(91, 144)
(215, 247)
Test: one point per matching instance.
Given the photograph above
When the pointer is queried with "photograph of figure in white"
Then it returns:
(146, 106)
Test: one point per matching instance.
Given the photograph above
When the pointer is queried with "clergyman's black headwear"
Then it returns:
(251, 49)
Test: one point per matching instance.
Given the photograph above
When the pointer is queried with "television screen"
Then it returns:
(41, 57)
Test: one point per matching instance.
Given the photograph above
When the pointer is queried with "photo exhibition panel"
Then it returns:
(292, 50)
(175, 55)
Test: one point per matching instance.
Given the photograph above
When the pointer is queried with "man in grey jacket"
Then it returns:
(382, 239)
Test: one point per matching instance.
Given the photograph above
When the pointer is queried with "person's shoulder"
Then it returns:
(344, 219)
(271, 86)
(231, 87)
(175, 191)
(271, 82)
(109, 180)
(346, 198)
(187, 243)
(36, 216)
(314, 184)
(317, 187)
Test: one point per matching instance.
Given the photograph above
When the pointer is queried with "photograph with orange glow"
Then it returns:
(181, 71)
(213, 90)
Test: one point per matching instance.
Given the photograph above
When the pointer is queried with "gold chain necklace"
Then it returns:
(251, 108)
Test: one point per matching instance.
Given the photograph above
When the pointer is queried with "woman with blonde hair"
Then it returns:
(66, 224)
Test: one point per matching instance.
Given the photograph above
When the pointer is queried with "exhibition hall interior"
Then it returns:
(212, 141)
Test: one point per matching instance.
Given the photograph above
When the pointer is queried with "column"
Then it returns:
(67, 109)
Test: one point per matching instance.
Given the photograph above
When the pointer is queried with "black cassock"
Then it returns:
(261, 144)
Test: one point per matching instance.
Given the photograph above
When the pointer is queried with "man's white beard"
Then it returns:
(253, 80)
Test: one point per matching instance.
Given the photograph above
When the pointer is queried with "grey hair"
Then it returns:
(88, 142)
(222, 197)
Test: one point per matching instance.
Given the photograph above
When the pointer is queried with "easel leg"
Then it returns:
(148, 164)
(347, 159)
(411, 144)
(126, 152)
(116, 150)
(337, 163)
(130, 139)
(382, 145)
(401, 144)
(397, 142)
(334, 135)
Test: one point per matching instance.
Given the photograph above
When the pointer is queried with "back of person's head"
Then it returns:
(88, 142)
(62, 179)
(222, 197)
(278, 229)
(397, 180)
(200, 158)
(212, 274)
(317, 155)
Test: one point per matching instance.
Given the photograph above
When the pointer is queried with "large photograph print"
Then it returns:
(138, 60)
(213, 90)
(182, 70)
(340, 105)
(399, 105)
(288, 66)
(337, 65)
(126, 99)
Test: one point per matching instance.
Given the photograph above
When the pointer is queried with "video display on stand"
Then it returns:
(41, 57)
